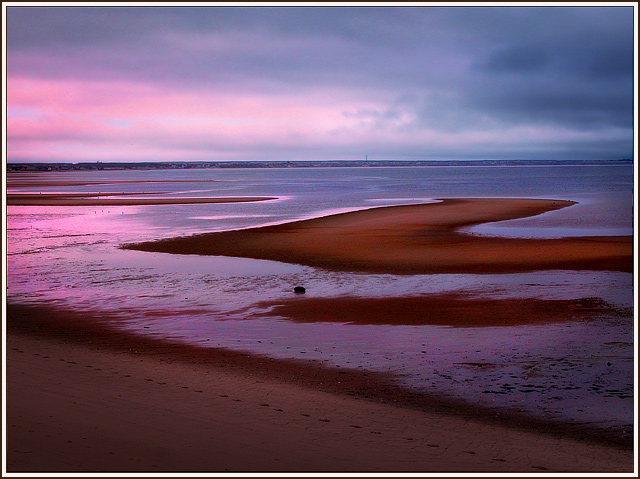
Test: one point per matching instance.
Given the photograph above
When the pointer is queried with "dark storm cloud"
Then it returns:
(518, 58)
(576, 66)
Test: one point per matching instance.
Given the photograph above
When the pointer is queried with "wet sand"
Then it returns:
(442, 309)
(83, 397)
(414, 239)
(63, 195)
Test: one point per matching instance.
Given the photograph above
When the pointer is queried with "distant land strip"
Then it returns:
(178, 165)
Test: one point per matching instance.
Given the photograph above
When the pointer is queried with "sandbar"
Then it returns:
(413, 239)
(84, 397)
(92, 200)
(17, 182)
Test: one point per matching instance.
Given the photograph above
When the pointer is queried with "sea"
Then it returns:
(578, 372)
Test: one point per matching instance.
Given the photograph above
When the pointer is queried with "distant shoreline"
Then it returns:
(180, 165)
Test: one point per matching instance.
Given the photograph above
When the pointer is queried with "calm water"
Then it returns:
(581, 371)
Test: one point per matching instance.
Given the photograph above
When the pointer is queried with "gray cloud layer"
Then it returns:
(452, 68)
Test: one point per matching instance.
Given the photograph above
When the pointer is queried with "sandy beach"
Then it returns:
(84, 398)
(414, 239)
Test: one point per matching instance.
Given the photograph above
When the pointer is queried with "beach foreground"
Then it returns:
(90, 399)
(413, 239)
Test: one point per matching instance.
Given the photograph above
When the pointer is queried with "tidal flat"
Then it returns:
(567, 376)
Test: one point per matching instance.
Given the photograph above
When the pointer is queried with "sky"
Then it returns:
(87, 84)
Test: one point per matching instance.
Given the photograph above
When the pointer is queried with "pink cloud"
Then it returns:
(47, 128)
(85, 115)
(66, 120)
